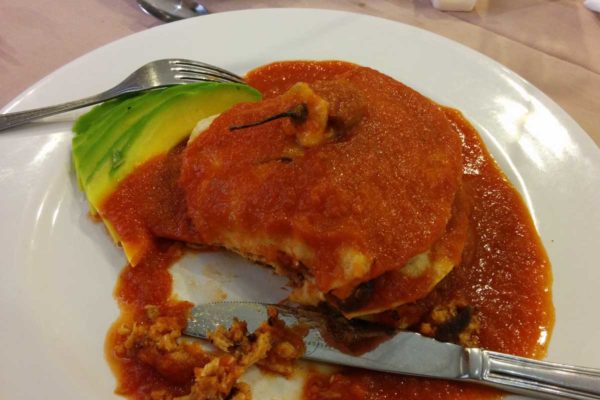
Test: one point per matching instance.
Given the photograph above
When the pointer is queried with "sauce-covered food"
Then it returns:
(374, 201)
(364, 186)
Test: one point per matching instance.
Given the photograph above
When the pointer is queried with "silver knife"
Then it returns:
(409, 353)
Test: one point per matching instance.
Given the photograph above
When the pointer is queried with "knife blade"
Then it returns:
(409, 353)
(406, 352)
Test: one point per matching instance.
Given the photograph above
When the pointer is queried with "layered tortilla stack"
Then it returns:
(350, 185)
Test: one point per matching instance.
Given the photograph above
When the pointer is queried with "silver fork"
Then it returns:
(153, 75)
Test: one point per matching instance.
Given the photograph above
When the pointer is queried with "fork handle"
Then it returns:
(534, 378)
(10, 120)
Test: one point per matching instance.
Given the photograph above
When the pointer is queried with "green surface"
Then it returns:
(112, 139)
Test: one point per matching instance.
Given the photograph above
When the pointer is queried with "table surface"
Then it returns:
(553, 44)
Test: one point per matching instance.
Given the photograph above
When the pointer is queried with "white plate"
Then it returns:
(59, 269)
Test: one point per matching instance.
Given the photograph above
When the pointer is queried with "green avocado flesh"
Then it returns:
(115, 137)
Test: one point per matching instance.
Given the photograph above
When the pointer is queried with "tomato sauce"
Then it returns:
(149, 283)
(504, 274)
(147, 208)
(395, 162)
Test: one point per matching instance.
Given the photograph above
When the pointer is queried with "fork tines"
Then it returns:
(198, 71)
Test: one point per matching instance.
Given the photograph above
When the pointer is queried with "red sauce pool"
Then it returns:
(504, 275)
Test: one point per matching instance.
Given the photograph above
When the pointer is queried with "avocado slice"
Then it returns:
(114, 138)
(103, 125)
(83, 123)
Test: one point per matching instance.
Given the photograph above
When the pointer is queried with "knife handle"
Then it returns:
(531, 377)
